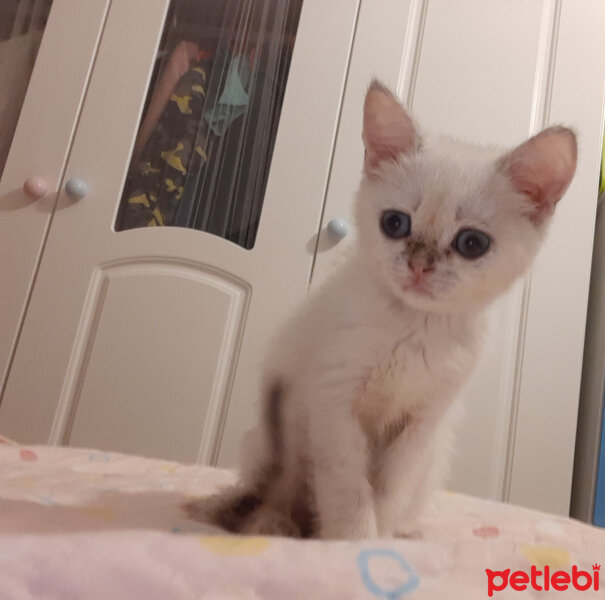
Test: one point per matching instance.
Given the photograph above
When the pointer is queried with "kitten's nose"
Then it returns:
(421, 266)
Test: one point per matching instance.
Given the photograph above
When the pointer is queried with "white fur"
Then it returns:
(355, 361)
(370, 365)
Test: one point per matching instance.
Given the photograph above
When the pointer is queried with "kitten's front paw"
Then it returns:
(410, 530)
(358, 527)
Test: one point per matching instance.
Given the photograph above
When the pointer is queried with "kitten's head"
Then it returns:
(446, 225)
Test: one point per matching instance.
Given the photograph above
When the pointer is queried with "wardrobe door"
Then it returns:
(194, 190)
(496, 73)
(46, 54)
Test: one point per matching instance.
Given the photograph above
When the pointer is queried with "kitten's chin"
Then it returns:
(419, 297)
(425, 299)
(422, 301)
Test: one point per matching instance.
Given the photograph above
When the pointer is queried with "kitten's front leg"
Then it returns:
(408, 471)
(344, 496)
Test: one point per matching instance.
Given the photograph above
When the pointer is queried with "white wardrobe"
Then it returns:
(148, 339)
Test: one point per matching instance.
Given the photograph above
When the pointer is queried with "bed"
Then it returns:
(87, 524)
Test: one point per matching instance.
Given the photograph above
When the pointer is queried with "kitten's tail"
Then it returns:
(239, 510)
(229, 509)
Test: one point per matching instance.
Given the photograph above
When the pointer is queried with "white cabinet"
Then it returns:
(144, 339)
(41, 140)
(148, 340)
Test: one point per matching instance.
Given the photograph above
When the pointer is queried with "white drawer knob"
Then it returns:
(76, 188)
(338, 229)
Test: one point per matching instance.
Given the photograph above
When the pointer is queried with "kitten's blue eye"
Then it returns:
(395, 224)
(471, 243)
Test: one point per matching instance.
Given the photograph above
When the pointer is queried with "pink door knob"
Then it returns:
(35, 187)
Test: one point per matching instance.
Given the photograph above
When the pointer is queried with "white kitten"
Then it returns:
(360, 387)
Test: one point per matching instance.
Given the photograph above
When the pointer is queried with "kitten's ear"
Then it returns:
(387, 128)
(542, 168)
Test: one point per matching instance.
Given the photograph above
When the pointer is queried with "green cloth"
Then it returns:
(602, 178)
(234, 100)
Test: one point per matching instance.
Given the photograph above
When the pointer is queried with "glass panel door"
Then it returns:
(22, 24)
(203, 149)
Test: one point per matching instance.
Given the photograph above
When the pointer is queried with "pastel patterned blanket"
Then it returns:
(82, 524)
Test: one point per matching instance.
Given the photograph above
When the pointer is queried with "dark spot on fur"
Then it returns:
(244, 505)
(419, 248)
(273, 420)
(231, 516)
(304, 512)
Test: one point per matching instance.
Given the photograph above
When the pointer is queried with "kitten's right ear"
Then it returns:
(388, 130)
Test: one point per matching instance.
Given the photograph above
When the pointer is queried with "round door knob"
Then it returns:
(35, 187)
(76, 188)
(338, 229)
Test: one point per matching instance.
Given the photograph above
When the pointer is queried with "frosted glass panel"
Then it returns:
(203, 150)
(22, 23)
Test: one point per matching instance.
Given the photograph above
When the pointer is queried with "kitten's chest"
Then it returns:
(423, 367)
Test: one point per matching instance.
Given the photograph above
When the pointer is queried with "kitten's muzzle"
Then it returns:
(419, 270)
(419, 265)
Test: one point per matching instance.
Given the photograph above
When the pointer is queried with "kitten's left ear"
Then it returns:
(542, 169)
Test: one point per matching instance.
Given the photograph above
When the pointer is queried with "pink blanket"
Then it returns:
(83, 524)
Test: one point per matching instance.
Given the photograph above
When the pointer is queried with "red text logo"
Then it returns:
(543, 580)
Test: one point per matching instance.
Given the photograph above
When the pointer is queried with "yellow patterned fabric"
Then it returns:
(175, 150)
